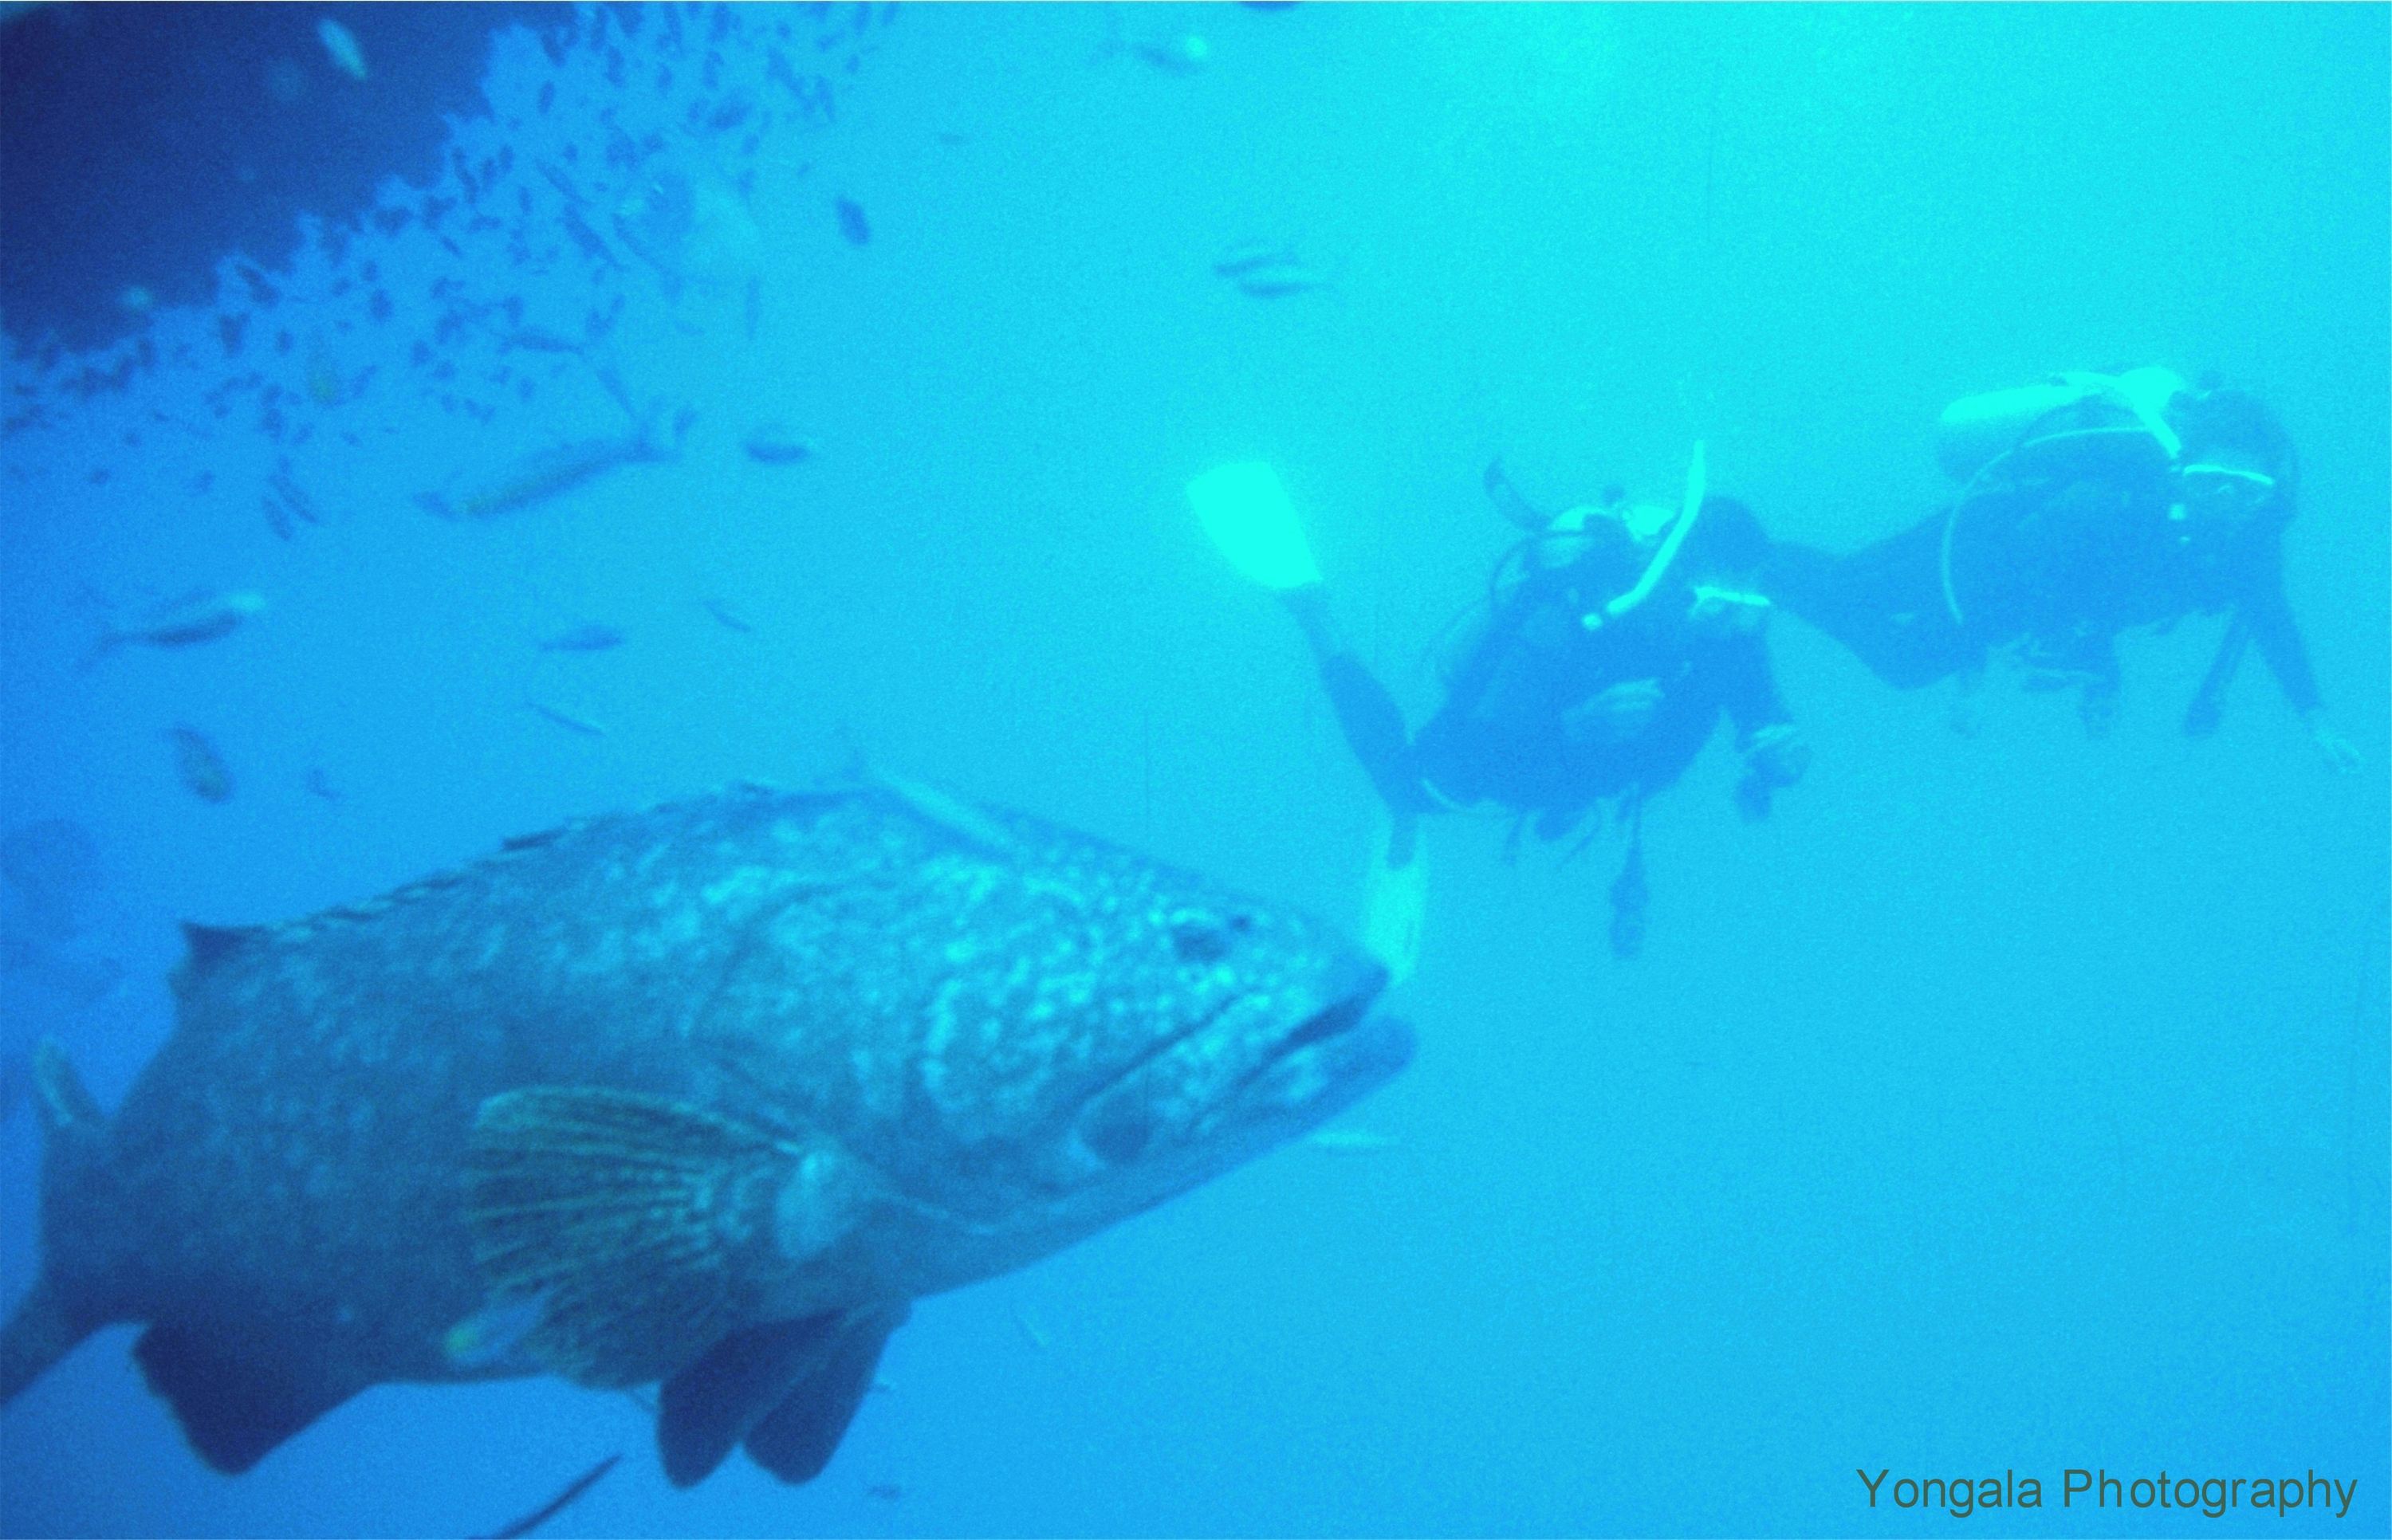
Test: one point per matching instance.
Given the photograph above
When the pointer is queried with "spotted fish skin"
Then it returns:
(802, 1056)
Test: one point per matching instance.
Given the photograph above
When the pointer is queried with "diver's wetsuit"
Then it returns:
(2078, 536)
(1534, 717)
(1505, 733)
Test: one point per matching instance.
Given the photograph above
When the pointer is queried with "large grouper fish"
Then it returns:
(703, 1096)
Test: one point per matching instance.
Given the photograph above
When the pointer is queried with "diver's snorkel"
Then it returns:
(1612, 609)
(2145, 393)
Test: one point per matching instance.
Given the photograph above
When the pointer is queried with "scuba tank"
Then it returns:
(1978, 436)
(1977, 430)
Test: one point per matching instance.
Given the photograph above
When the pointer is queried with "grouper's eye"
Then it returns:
(1205, 938)
(1120, 1132)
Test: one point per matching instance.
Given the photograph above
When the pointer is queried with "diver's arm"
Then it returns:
(1775, 753)
(2268, 616)
(2208, 705)
(1748, 688)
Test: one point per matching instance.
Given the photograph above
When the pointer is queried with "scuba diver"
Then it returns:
(2089, 505)
(1611, 639)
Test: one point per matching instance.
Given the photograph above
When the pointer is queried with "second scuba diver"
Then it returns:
(2090, 505)
(1612, 640)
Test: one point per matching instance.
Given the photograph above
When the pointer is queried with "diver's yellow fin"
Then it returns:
(1247, 514)
(1395, 907)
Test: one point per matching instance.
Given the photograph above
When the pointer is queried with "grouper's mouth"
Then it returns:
(1252, 1072)
(1341, 1035)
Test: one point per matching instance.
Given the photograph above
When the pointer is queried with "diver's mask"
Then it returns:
(1719, 610)
(2210, 493)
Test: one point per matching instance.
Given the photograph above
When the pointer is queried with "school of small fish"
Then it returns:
(622, 216)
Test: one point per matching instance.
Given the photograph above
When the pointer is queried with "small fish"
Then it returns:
(1254, 255)
(1184, 55)
(196, 617)
(556, 1505)
(1030, 1329)
(1350, 1141)
(586, 236)
(771, 444)
(277, 518)
(536, 338)
(884, 1491)
(1279, 279)
(300, 502)
(327, 386)
(727, 617)
(593, 637)
(487, 1339)
(550, 472)
(853, 222)
(342, 44)
(568, 721)
(320, 784)
(199, 765)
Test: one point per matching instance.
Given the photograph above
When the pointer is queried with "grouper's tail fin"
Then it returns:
(45, 1326)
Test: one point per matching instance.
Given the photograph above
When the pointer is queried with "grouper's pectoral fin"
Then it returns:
(798, 1438)
(236, 1397)
(788, 1390)
(647, 1228)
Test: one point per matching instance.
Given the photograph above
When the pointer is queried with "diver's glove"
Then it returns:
(1962, 717)
(1774, 757)
(2340, 754)
(2096, 706)
(1619, 715)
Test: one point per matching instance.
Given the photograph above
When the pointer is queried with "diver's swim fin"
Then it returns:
(1396, 904)
(1516, 510)
(1246, 512)
(1630, 897)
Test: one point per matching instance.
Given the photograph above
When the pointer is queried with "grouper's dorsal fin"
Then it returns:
(952, 815)
(646, 1225)
(211, 946)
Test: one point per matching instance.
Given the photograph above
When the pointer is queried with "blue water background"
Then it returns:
(2012, 1102)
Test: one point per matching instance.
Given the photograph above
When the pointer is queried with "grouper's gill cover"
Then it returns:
(703, 1094)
